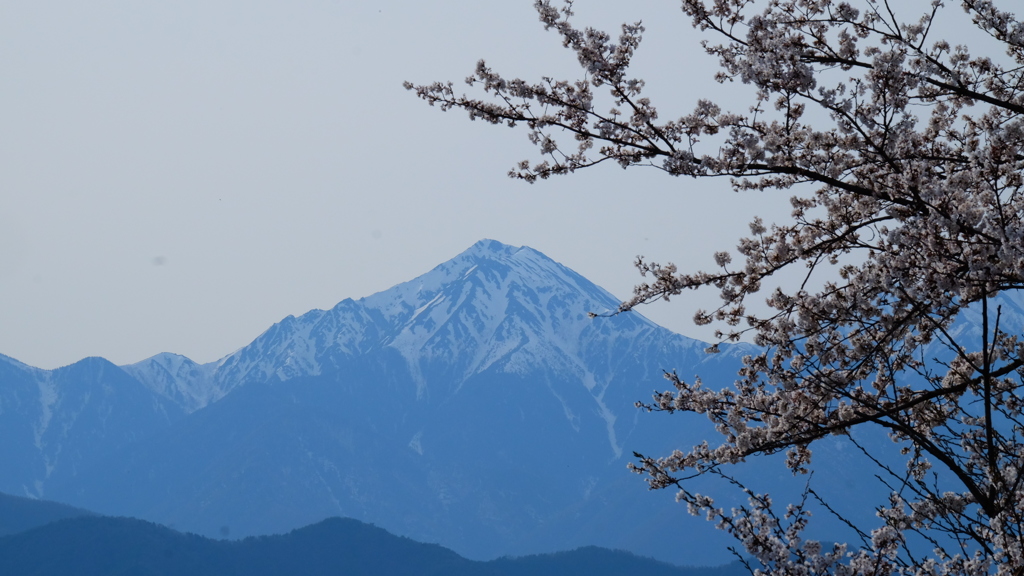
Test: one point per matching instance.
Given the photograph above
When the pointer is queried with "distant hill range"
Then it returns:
(60, 540)
(18, 514)
(476, 406)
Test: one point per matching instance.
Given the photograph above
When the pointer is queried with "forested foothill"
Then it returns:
(61, 540)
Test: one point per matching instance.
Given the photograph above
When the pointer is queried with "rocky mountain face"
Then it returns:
(477, 406)
(56, 422)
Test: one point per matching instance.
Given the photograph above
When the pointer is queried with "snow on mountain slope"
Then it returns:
(55, 421)
(178, 378)
(494, 306)
(500, 308)
(510, 306)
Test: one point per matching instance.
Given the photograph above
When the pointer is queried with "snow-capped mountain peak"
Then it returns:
(492, 307)
(495, 299)
(490, 265)
(178, 378)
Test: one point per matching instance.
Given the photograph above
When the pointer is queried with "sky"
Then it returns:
(178, 176)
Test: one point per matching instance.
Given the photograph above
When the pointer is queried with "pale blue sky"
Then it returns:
(178, 176)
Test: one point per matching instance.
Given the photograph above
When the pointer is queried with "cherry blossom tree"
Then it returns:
(903, 156)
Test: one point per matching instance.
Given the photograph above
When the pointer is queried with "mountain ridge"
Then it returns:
(477, 404)
(55, 539)
(408, 318)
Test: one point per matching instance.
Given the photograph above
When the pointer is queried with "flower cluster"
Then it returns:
(907, 214)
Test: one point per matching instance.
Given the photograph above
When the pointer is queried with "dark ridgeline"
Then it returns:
(18, 514)
(102, 546)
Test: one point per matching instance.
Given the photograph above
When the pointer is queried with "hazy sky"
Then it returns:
(178, 176)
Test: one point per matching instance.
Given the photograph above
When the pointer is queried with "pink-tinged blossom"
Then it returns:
(907, 213)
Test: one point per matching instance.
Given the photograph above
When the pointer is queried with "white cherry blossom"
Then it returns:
(907, 213)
